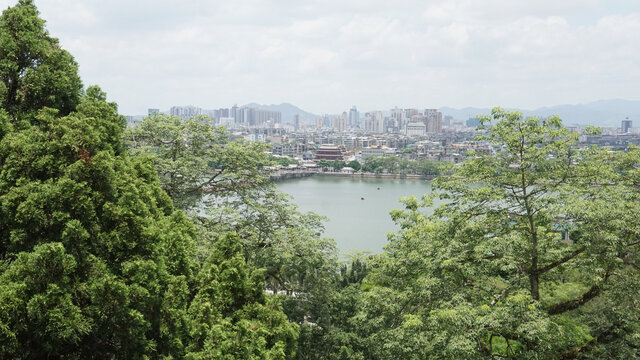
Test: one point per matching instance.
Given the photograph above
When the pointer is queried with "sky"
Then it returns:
(328, 55)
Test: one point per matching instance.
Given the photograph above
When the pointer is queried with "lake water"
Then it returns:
(355, 224)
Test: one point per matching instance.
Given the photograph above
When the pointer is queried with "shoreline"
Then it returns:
(286, 175)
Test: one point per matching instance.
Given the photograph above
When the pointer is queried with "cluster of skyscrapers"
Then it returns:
(412, 122)
(234, 116)
(396, 121)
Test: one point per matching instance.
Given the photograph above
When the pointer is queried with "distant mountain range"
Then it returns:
(288, 111)
(600, 113)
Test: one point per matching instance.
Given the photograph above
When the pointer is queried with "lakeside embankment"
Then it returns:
(293, 174)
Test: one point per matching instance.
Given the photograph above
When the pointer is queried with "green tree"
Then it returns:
(426, 167)
(336, 335)
(192, 158)
(355, 165)
(391, 164)
(35, 71)
(373, 164)
(275, 237)
(283, 161)
(94, 261)
(337, 165)
(233, 316)
(404, 166)
(488, 273)
(324, 164)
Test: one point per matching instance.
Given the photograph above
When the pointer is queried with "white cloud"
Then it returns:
(317, 60)
(326, 55)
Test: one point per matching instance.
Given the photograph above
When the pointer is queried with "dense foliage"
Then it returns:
(386, 164)
(95, 261)
(35, 71)
(191, 156)
(226, 184)
(395, 165)
(490, 273)
(168, 240)
(284, 161)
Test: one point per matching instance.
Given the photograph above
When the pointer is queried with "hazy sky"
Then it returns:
(326, 55)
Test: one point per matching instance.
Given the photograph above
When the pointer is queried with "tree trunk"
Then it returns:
(533, 280)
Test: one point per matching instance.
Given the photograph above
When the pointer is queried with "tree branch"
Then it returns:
(561, 261)
(634, 243)
(594, 291)
(504, 292)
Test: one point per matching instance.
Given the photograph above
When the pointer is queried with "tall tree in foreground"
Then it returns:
(225, 186)
(35, 71)
(94, 261)
(533, 255)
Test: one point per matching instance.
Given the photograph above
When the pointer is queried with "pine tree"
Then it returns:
(94, 260)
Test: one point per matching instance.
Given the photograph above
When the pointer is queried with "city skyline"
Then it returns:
(327, 56)
(599, 113)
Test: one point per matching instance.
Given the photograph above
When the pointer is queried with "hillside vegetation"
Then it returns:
(168, 241)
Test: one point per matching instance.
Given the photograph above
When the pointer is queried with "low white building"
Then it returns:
(416, 129)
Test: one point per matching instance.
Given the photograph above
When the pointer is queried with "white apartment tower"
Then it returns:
(374, 122)
(433, 120)
(354, 118)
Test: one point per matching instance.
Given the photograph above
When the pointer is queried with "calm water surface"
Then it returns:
(355, 224)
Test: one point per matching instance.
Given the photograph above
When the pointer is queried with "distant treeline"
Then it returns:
(387, 164)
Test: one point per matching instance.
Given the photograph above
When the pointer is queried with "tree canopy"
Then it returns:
(524, 259)
(193, 158)
(94, 260)
(191, 155)
(168, 240)
(35, 71)
(395, 165)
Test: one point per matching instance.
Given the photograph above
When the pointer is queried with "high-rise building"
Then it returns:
(185, 112)
(257, 117)
(368, 122)
(296, 122)
(379, 121)
(626, 125)
(397, 118)
(211, 114)
(234, 113)
(247, 116)
(339, 123)
(433, 119)
(354, 118)
(448, 120)
(374, 122)
(409, 113)
(473, 122)
(152, 112)
(223, 113)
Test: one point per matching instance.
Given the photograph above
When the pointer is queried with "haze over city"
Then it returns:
(325, 56)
